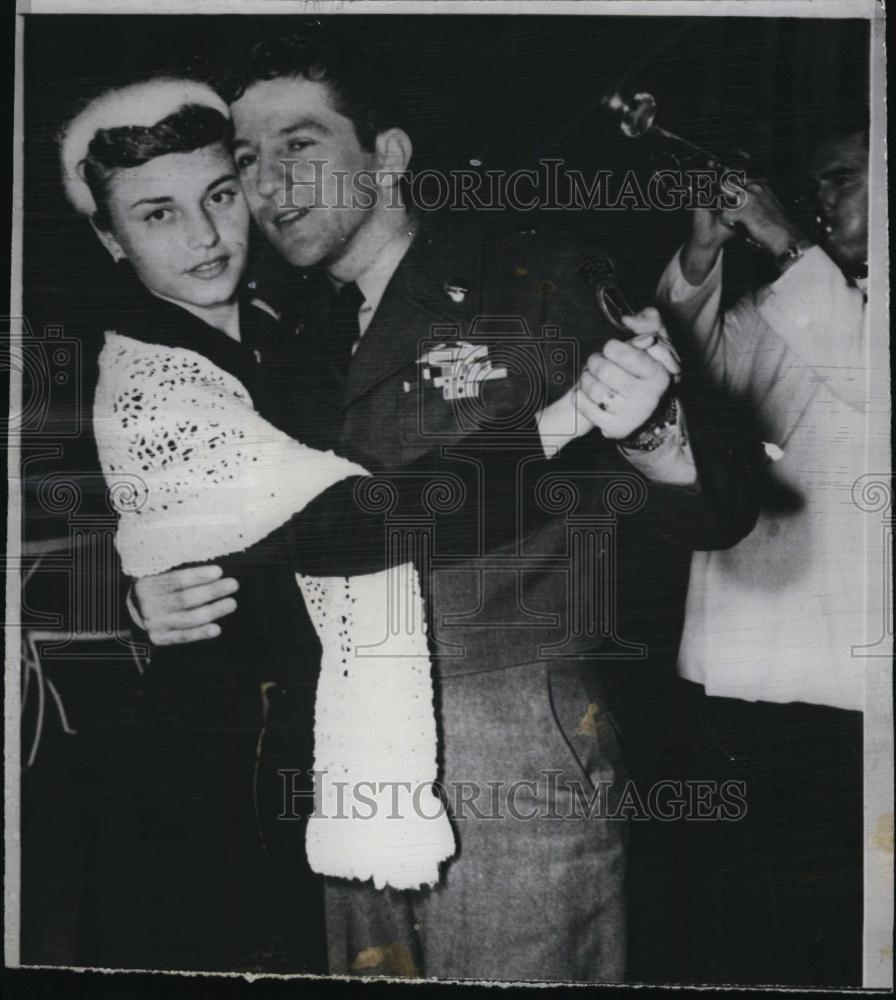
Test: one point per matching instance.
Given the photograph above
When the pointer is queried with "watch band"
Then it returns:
(651, 434)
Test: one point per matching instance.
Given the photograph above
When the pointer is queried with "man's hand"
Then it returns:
(183, 605)
(761, 216)
(709, 233)
(764, 218)
(565, 419)
(653, 338)
(622, 385)
(711, 230)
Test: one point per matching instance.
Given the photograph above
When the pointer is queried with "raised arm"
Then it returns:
(811, 306)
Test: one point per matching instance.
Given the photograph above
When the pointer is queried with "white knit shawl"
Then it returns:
(195, 474)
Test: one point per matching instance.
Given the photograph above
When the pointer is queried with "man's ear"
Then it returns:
(393, 154)
(110, 243)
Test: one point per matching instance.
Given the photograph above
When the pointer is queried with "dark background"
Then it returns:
(506, 90)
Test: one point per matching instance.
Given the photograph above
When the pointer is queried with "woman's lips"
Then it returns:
(211, 268)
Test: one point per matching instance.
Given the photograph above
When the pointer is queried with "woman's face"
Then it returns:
(182, 222)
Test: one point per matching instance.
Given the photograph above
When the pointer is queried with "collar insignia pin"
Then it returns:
(456, 291)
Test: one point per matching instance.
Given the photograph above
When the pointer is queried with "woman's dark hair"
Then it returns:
(194, 126)
(359, 78)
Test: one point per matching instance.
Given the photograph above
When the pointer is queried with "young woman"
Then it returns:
(200, 861)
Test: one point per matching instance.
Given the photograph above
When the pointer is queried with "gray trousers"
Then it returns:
(535, 891)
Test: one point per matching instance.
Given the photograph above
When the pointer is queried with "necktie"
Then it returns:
(344, 327)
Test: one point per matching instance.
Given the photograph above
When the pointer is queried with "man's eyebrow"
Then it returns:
(303, 124)
(224, 177)
(161, 200)
(838, 168)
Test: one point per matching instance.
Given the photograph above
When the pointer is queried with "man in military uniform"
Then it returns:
(411, 335)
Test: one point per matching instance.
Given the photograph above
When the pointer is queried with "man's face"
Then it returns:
(311, 212)
(839, 170)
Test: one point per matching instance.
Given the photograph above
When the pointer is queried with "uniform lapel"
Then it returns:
(414, 308)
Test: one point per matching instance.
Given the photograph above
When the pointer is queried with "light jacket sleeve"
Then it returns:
(821, 318)
(811, 307)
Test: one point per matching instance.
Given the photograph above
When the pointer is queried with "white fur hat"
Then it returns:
(140, 104)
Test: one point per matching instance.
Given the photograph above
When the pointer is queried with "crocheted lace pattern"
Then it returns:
(196, 473)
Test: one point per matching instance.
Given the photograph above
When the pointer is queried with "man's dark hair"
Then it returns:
(194, 126)
(359, 78)
(842, 120)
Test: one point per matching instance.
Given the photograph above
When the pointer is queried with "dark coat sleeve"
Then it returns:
(342, 533)
(345, 530)
(721, 509)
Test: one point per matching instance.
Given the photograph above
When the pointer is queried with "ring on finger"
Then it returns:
(611, 395)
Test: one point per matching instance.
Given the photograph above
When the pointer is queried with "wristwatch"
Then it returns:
(651, 434)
